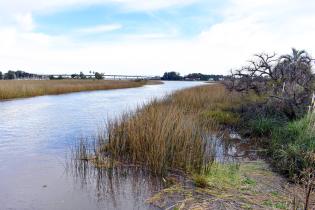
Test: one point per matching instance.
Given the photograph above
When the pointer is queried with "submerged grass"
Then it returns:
(10, 89)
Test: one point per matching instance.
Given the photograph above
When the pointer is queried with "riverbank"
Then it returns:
(187, 139)
(11, 89)
(247, 184)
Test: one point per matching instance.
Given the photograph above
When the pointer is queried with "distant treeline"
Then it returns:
(194, 76)
(10, 75)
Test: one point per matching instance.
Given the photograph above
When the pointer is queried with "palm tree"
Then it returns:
(297, 56)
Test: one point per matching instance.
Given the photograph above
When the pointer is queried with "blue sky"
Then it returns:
(177, 22)
(149, 37)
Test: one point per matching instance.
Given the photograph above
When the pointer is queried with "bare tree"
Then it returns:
(287, 80)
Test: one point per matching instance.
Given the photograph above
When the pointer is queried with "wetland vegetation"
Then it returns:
(173, 139)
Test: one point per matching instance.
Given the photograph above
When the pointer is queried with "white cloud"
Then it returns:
(25, 21)
(247, 27)
(100, 29)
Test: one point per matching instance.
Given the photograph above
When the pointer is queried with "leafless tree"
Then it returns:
(287, 80)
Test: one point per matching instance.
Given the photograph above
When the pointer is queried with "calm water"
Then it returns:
(36, 135)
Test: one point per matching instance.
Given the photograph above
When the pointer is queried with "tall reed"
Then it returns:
(169, 134)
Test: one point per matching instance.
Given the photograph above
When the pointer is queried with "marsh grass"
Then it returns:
(10, 89)
(169, 134)
(172, 134)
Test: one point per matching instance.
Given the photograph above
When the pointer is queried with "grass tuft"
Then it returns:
(200, 181)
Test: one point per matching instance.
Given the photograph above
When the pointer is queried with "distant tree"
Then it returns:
(98, 76)
(51, 77)
(171, 76)
(19, 74)
(10, 75)
(74, 76)
(204, 77)
(82, 76)
(22, 74)
(1, 76)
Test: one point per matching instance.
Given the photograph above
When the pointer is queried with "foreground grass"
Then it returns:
(10, 89)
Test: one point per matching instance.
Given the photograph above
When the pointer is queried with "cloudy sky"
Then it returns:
(149, 37)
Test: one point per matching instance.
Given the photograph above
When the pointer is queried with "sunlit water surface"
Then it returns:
(36, 135)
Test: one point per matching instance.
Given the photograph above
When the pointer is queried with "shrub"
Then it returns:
(291, 145)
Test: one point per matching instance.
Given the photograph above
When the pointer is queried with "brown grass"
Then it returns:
(168, 134)
(10, 89)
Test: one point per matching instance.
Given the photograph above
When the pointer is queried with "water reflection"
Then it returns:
(120, 187)
(229, 146)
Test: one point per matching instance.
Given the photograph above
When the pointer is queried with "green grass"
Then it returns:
(223, 117)
(263, 126)
(291, 146)
(224, 176)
